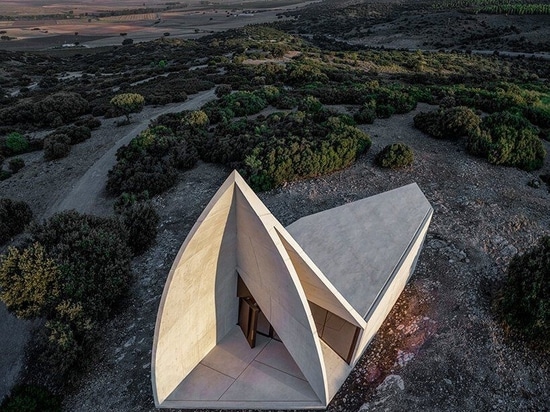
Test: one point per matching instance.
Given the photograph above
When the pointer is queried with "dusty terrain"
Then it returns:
(88, 31)
(421, 25)
(440, 349)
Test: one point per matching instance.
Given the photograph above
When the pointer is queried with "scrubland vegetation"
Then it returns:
(274, 120)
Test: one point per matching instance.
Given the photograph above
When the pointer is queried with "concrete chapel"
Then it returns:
(258, 316)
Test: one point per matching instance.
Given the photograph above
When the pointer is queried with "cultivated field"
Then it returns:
(33, 30)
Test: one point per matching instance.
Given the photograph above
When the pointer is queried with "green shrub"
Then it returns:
(57, 146)
(14, 216)
(16, 143)
(90, 122)
(458, 122)
(508, 139)
(429, 123)
(395, 156)
(76, 134)
(223, 90)
(31, 398)
(366, 114)
(16, 164)
(310, 104)
(141, 220)
(74, 272)
(292, 154)
(450, 123)
(244, 103)
(150, 162)
(524, 303)
(384, 111)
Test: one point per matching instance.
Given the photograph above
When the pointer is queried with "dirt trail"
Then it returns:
(88, 194)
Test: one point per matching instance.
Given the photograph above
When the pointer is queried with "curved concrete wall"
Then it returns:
(198, 306)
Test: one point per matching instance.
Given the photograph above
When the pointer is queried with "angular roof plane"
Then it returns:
(256, 316)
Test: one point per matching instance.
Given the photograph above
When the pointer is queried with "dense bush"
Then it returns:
(312, 151)
(141, 220)
(75, 271)
(57, 146)
(16, 143)
(508, 139)
(16, 164)
(286, 146)
(90, 122)
(244, 103)
(395, 156)
(524, 304)
(14, 216)
(450, 123)
(223, 90)
(76, 134)
(150, 162)
(366, 114)
(31, 398)
(59, 109)
(240, 103)
(52, 111)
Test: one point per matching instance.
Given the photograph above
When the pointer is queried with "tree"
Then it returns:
(128, 103)
(30, 282)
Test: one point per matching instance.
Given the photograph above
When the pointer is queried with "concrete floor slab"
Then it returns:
(260, 382)
(233, 372)
(232, 355)
(276, 356)
(202, 384)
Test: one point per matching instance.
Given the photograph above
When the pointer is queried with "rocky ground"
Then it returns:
(440, 348)
(424, 25)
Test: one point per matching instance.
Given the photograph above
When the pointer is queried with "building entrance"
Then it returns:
(251, 319)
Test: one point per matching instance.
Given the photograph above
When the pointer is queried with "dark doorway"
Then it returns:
(251, 318)
(248, 319)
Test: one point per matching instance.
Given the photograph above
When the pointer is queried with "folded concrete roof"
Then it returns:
(360, 244)
(352, 261)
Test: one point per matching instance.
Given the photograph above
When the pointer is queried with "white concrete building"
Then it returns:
(256, 316)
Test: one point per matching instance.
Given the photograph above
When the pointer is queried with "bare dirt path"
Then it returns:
(88, 193)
